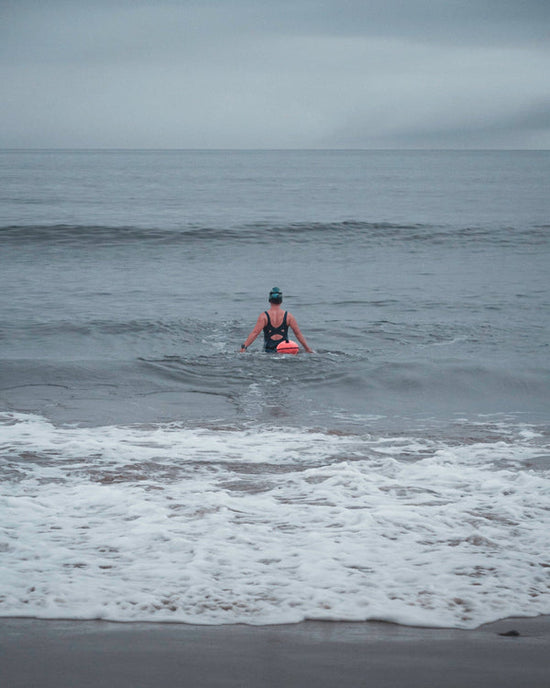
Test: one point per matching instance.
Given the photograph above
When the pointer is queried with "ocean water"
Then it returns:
(149, 471)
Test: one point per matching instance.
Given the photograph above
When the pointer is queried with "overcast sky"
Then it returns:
(275, 73)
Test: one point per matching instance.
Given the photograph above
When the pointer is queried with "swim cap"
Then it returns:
(275, 295)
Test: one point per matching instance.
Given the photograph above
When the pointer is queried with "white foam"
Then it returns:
(270, 525)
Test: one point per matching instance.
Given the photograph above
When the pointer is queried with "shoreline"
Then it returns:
(50, 653)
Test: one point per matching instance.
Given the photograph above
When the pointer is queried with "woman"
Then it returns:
(275, 323)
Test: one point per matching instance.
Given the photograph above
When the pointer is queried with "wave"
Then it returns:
(262, 525)
(321, 388)
(99, 327)
(264, 232)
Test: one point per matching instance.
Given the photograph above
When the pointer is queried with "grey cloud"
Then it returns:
(526, 128)
(252, 73)
(125, 25)
(464, 21)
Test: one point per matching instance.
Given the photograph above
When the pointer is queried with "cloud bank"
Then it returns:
(279, 74)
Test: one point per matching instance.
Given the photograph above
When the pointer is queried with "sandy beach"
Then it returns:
(92, 654)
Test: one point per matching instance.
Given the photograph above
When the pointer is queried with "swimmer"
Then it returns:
(275, 323)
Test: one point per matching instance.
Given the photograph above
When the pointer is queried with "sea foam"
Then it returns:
(265, 525)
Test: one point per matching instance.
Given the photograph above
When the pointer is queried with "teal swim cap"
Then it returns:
(275, 295)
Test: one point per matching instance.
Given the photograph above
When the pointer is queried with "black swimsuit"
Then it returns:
(271, 344)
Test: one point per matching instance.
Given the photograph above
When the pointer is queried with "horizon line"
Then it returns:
(263, 150)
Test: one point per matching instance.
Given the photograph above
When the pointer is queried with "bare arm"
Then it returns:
(299, 336)
(258, 327)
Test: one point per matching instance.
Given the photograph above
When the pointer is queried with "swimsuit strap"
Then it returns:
(276, 330)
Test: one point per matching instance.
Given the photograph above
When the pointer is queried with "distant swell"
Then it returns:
(259, 232)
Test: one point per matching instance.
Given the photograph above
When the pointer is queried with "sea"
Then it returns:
(149, 471)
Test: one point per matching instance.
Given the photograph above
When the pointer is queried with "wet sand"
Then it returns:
(93, 654)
